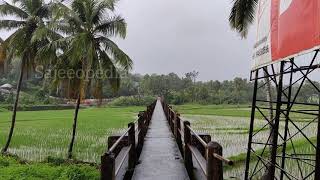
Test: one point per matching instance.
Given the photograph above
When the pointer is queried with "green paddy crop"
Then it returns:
(39, 134)
(229, 125)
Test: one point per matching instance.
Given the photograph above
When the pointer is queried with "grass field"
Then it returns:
(229, 125)
(39, 134)
(218, 110)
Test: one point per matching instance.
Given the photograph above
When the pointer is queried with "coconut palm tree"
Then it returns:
(88, 26)
(23, 17)
(241, 17)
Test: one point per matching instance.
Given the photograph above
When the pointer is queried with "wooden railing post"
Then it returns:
(132, 142)
(107, 168)
(178, 137)
(187, 151)
(170, 119)
(175, 125)
(214, 165)
(147, 113)
(169, 115)
(142, 131)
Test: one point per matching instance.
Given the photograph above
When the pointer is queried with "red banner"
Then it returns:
(294, 29)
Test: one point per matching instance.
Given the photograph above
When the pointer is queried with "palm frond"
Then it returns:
(80, 9)
(11, 24)
(78, 47)
(7, 9)
(113, 75)
(45, 32)
(100, 9)
(114, 26)
(44, 11)
(18, 41)
(52, 51)
(242, 15)
(121, 58)
(2, 52)
(31, 6)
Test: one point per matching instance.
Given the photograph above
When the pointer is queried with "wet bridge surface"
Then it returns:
(160, 158)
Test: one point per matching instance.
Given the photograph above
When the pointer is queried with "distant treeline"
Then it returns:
(180, 90)
(175, 89)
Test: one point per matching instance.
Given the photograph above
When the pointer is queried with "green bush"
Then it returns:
(177, 98)
(133, 101)
(2, 97)
(12, 169)
(3, 109)
(9, 99)
(36, 107)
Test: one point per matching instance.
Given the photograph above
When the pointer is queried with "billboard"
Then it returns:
(285, 29)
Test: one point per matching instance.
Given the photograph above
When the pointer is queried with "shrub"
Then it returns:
(9, 99)
(2, 97)
(11, 168)
(37, 108)
(133, 101)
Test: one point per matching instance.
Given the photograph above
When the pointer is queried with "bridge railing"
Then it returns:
(123, 151)
(207, 153)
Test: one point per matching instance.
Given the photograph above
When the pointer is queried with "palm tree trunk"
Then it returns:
(15, 108)
(74, 127)
(269, 99)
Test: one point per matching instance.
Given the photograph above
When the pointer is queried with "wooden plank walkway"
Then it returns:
(160, 158)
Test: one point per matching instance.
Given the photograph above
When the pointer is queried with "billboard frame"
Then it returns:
(286, 98)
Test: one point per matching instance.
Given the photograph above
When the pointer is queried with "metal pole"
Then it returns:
(276, 125)
(253, 108)
(317, 168)
(284, 147)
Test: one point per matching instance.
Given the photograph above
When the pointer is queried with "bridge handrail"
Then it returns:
(113, 147)
(197, 136)
(227, 161)
(131, 149)
(209, 157)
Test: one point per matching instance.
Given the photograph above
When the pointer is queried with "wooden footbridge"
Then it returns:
(160, 146)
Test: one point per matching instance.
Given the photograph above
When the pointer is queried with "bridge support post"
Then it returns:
(132, 142)
(214, 165)
(141, 128)
(187, 151)
(148, 115)
(107, 168)
(177, 126)
(171, 119)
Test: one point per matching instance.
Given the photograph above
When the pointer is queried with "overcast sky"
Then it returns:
(184, 35)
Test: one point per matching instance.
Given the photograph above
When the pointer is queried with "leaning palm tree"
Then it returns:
(241, 17)
(88, 26)
(23, 16)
